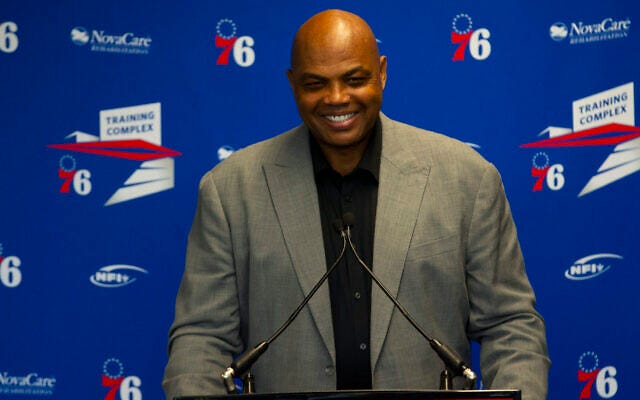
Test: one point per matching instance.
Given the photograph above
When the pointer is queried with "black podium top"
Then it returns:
(374, 395)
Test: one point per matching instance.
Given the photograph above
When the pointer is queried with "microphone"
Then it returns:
(453, 362)
(241, 365)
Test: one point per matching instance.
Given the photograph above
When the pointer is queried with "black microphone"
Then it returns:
(242, 364)
(453, 362)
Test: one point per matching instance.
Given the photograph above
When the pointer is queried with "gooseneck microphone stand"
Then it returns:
(454, 364)
(239, 367)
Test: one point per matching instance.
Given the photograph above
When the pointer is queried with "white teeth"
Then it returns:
(339, 118)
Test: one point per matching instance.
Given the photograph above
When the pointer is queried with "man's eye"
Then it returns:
(312, 85)
(357, 81)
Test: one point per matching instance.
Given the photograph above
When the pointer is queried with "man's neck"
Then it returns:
(344, 160)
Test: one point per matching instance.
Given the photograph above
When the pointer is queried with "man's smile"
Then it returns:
(340, 121)
(339, 118)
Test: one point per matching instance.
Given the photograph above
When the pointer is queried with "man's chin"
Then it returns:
(343, 140)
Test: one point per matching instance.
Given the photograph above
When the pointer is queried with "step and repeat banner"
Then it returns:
(111, 111)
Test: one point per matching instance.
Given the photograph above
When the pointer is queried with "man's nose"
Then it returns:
(337, 93)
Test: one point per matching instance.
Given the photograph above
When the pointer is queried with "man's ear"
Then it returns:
(383, 70)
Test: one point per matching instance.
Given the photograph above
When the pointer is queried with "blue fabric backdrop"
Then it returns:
(111, 111)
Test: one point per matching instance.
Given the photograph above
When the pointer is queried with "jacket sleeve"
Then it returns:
(503, 317)
(205, 334)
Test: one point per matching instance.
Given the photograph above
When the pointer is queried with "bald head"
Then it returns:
(330, 31)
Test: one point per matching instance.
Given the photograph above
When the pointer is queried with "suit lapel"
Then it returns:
(403, 180)
(293, 192)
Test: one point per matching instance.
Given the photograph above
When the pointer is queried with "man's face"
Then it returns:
(338, 91)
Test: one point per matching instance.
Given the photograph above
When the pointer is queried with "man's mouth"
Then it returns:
(339, 118)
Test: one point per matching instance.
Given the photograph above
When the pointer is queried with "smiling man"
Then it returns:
(429, 215)
(337, 77)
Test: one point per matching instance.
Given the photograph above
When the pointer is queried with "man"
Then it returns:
(431, 218)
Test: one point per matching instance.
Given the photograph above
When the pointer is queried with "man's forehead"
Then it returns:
(343, 56)
(318, 48)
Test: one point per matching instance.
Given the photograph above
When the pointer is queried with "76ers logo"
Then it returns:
(122, 387)
(72, 177)
(463, 34)
(590, 373)
(10, 274)
(551, 175)
(241, 48)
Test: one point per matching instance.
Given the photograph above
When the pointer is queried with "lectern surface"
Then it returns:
(375, 395)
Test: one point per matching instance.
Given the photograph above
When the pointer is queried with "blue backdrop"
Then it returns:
(111, 111)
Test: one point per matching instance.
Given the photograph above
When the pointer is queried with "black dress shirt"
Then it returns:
(349, 284)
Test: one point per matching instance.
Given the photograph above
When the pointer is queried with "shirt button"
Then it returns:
(363, 346)
(329, 370)
(357, 295)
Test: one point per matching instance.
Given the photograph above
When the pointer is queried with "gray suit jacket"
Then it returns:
(445, 244)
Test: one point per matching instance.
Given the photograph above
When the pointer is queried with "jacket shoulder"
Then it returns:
(249, 160)
(434, 148)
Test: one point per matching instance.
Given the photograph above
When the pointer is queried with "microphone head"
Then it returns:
(337, 225)
(349, 219)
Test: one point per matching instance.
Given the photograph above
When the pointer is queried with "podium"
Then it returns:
(373, 395)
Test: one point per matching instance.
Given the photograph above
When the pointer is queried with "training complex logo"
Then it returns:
(589, 372)
(590, 266)
(579, 32)
(118, 275)
(241, 48)
(10, 273)
(125, 43)
(603, 119)
(131, 133)
(122, 387)
(463, 34)
(31, 384)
